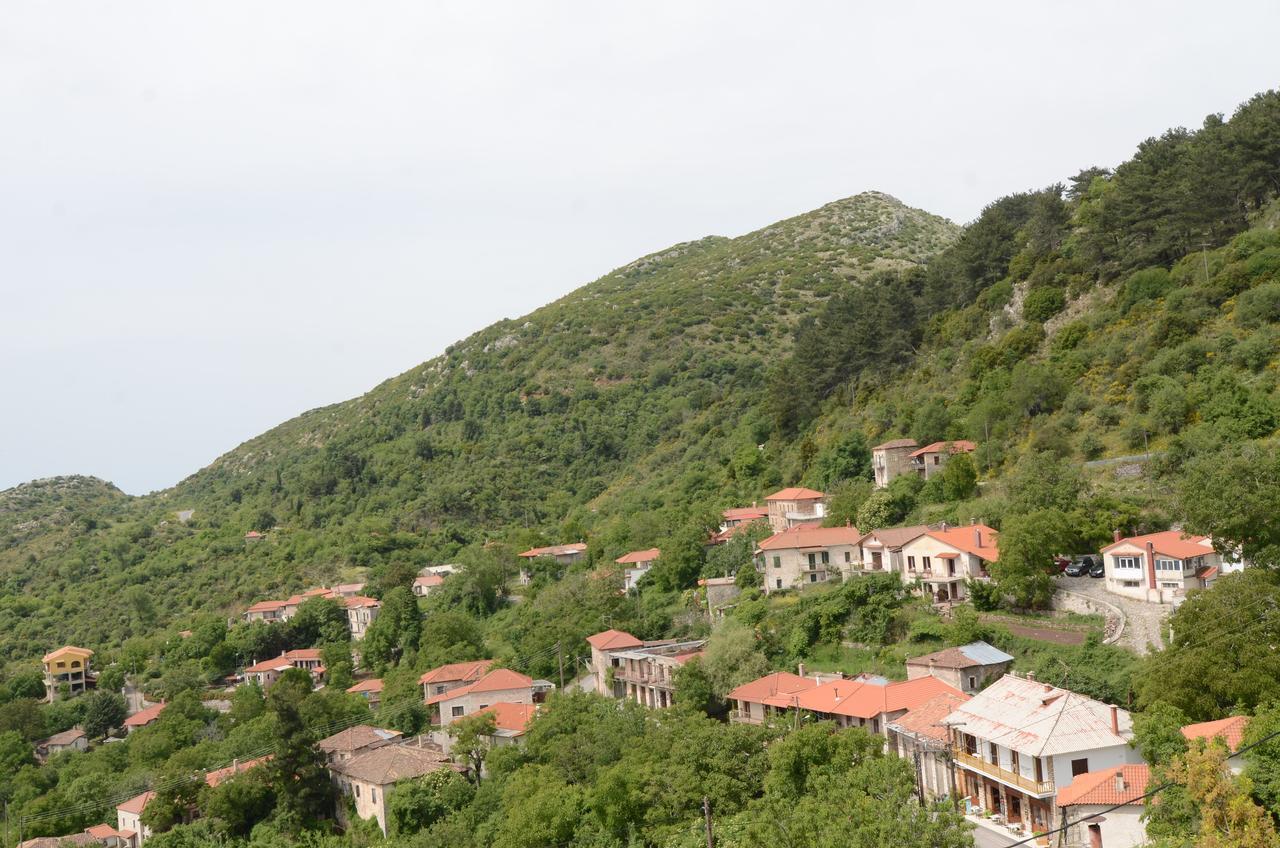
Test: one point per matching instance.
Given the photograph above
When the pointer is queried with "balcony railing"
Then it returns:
(744, 717)
(975, 763)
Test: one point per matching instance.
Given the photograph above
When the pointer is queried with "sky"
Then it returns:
(216, 216)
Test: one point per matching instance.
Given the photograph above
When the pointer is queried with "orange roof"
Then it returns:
(926, 719)
(867, 699)
(745, 513)
(273, 664)
(217, 776)
(463, 671)
(639, 556)
(1116, 785)
(977, 539)
(897, 443)
(144, 717)
(795, 493)
(771, 685)
(556, 550)
(267, 606)
(136, 804)
(495, 681)
(374, 685)
(102, 831)
(611, 640)
(957, 446)
(808, 536)
(1172, 543)
(1229, 730)
(67, 649)
(429, 580)
(360, 601)
(512, 717)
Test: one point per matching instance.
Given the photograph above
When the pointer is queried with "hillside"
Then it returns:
(522, 425)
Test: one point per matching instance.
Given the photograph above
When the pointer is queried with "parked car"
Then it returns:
(1097, 569)
(1060, 563)
(1076, 568)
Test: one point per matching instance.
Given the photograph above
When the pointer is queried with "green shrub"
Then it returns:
(1042, 304)
(1147, 284)
(1258, 306)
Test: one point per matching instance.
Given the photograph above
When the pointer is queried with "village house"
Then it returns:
(647, 674)
(69, 670)
(1229, 731)
(892, 459)
(920, 737)
(720, 594)
(268, 671)
(354, 741)
(143, 717)
(439, 680)
(942, 560)
(129, 818)
(737, 519)
(370, 777)
(605, 661)
(1104, 808)
(754, 702)
(361, 612)
(931, 459)
(265, 611)
(500, 684)
(793, 506)
(967, 668)
(370, 690)
(1159, 567)
(425, 584)
(636, 565)
(110, 837)
(347, 590)
(869, 701)
(217, 777)
(68, 740)
(510, 721)
(804, 555)
(562, 554)
(1019, 742)
(881, 550)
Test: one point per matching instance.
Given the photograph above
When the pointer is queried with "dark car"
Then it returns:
(1076, 568)
(1097, 569)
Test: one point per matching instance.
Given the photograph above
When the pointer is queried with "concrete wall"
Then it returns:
(472, 702)
(1099, 758)
(792, 566)
(1122, 828)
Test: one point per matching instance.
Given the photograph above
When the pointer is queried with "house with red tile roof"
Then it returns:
(510, 721)
(361, 611)
(636, 565)
(129, 818)
(441, 679)
(370, 690)
(647, 674)
(562, 554)
(942, 560)
(268, 671)
(736, 520)
(892, 459)
(370, 778)
(497, 686)
(266, 611)
(1160, 567)
(881, 550)
(604, 660)
(795, 505)
(804, 555)
(219, 776)
(755, 701)
(1019, 742)
(143, 717)
(931, 459)
(869, 701)
(425, 584)
(920, 736)
(348, 743)
(1228, 731)
(1105, 807)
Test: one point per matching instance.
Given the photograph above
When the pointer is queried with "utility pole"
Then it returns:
(560, 661)
(1204, 254)
(706, 814)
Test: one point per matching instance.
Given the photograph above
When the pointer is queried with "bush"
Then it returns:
(1042, 304)
(1259, 306)
(1148, 284)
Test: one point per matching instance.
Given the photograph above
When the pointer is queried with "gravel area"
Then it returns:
(1145, 624)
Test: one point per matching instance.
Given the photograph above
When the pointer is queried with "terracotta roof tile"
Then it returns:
(453, 672)
(805, 536)
(957, 446)
(1116, 785)
(144, 717)
(639, 556)
(1172, 543)
(1230, 730)
(393, 763)
(795, 493)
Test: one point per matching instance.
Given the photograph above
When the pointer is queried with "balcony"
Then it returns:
(743, 717)
(1010, 778)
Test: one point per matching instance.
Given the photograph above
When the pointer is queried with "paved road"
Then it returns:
(984, 838)
(133, 698)
(1145, 624)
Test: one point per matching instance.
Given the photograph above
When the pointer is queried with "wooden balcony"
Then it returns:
(1026, 784)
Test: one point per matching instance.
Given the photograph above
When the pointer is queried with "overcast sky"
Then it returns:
(215, 216)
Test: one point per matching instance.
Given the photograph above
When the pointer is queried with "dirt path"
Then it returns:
(1046, 634)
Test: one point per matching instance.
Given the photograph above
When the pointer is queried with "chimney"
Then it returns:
(1120, 787)
(1151, 565)
(1116, 535)
(944, 527)
(1031, 675)
(800, 669)
(1115, 721)
(235, 766)
(977, 538)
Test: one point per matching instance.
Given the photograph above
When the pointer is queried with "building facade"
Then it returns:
(1160, 567)
(892, 459)
(790, 507)
(941, 561)
(68, 669)
(967, 668)
(803, 555)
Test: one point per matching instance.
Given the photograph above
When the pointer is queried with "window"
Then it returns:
(924, 563)
(1039, 770)
(1013, 761)
(1130, 584)
(826, 558)
(846, 556)
(994, 751)
(911, 563)
(973, 682)
(357, 790)
(1168, 565)
(440, 690)
(813, 578)
(813, 560)
(373, 795)
(937, 458)
(456, 711)
(1079, 767)
(779, 583)
(1168, 585)
(484, 706)
(777, 562)
(1123, 562)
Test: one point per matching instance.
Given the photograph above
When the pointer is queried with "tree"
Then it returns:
(1227, 816)
(295, 772)
(1251, 473)
(932, 422)
(1044, 481)
(397, 629)
(104, 711)
(318, 621)
(471, 739)
(1157, 732)
(848, 458)
(693, 688)
(236, 805)
(959, 478)
(418, 804)
(1028, 545)
(732, 657)
(111, 678)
